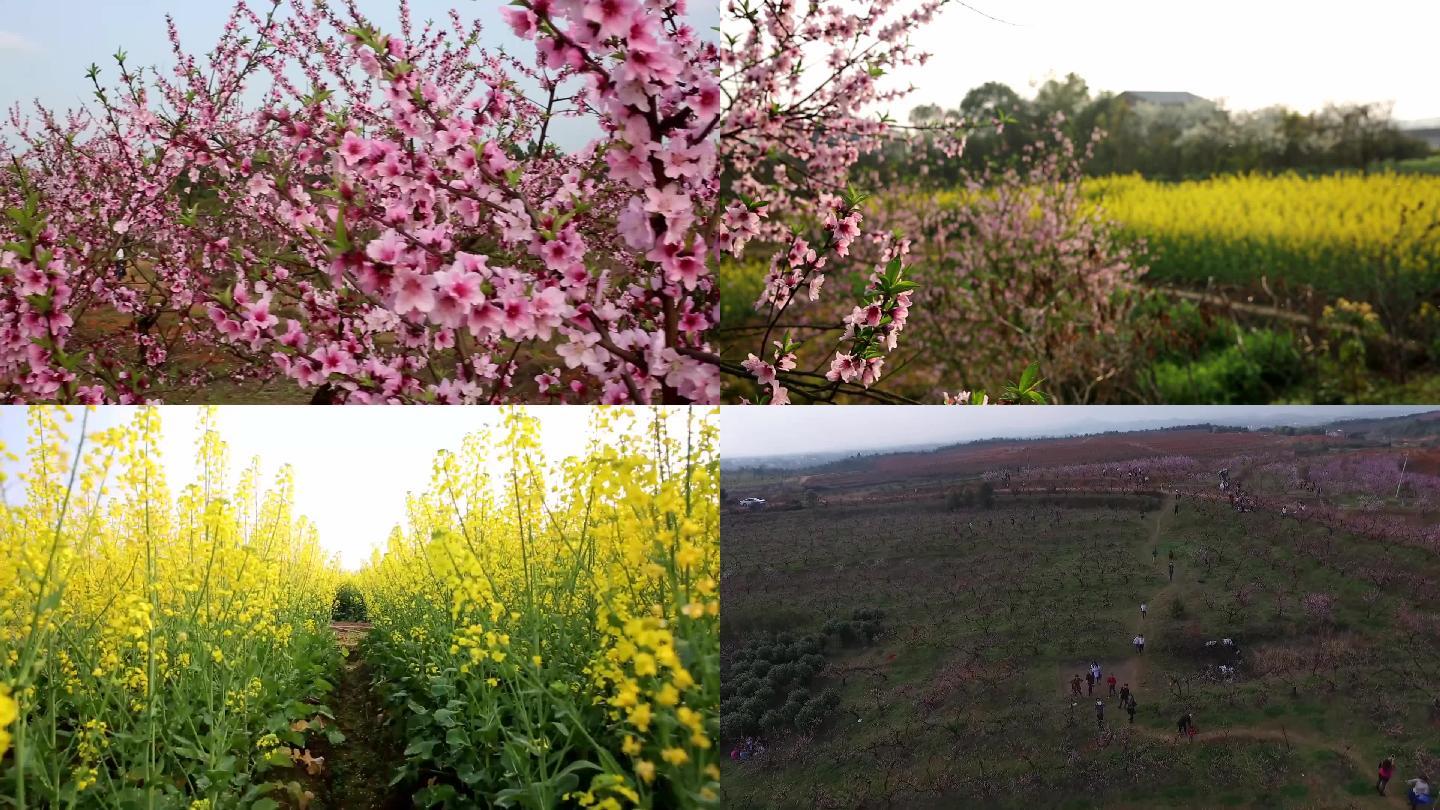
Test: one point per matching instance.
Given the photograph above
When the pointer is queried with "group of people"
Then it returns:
(1155, 556)
(748, 749)
(1095, 677)
(1419, 792)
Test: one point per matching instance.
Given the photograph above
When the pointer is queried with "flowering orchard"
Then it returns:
(805, 86)
(549, 633)
(377, 216)
(157, 649)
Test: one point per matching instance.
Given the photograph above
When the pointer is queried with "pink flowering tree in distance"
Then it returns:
(1016, 263)
(805, 91)
(379, 216)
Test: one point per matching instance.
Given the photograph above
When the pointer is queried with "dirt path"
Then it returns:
(1291, 738)
(1133, 668)
(358, 770)
(1159, 600)
(1136, 667)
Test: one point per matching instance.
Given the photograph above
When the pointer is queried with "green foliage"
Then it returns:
(349, 605)
(1166, 141)
(766, 687)
(1259, 367)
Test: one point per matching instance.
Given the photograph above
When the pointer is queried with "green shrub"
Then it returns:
(1260, 369)
(349, 605)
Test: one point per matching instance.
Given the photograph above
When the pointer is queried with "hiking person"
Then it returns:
(1110, 681)
(1154, 553)
(1172, 555)
(1125, 694)
(1075, 685)
(1090, 682)
(1172, 570)
(1185, 724)
(1144, 608)
(1130, 709)
(1419, 791)
(1387, 770)
(1099, 714)
(1095, 669)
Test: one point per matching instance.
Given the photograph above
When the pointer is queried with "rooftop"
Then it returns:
(1163, 98)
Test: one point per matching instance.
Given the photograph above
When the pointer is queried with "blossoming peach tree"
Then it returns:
(384, 217)
(379, 217)
(803, 82)
(805, 98)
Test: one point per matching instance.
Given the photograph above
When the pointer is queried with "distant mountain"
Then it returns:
(1373, 419)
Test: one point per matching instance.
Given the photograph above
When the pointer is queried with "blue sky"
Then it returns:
(47, 45)
(353, 466)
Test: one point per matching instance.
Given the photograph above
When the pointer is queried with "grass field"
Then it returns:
(961, 697)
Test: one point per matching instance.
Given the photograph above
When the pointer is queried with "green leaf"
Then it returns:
(342, 235)
(1027, 379)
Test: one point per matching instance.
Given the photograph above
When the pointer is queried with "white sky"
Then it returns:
(755, 431)
(353, 465)
(1252, 53)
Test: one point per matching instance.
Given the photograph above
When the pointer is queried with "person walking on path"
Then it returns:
(1125, 694)
(1130, 709)
(1099, 714)
(1139, 642)
(1095, 670)
(1075, 685)
(1154, 553)
(1172, 569)
(1111, 682)
(1186, 725)
(1090, 683)
(1387, 770)
(1144, 608)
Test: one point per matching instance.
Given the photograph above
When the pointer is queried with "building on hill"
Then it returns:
(1162, 98)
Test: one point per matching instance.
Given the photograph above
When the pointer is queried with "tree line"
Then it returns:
(1167, 142)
